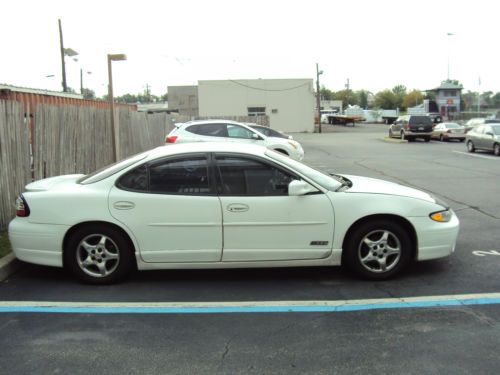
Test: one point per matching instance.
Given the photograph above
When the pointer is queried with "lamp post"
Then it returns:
(318, 102)
(81, 80)
(113, 57)
(449, 34)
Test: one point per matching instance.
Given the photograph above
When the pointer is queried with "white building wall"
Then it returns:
(289, 103)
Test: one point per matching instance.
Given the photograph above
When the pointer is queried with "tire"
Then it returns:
(410, 139)
(496, 149)
(470, 146)
(403, 136)
(441, 138)
(98, 254)
(376, 245)
(427, 139)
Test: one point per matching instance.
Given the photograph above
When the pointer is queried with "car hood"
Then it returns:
(376, 186)
(53, 182)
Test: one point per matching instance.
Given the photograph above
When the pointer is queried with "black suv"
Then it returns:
(411, 127)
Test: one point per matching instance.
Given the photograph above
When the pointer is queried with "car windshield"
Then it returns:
(324, 180)
(111, 169)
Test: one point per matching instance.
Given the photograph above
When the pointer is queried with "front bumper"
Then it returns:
(435, 240)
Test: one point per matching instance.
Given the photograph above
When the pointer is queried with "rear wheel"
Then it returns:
(427, 139)
(470, 146)
(98, 255)
(378, 250)
(496, 149)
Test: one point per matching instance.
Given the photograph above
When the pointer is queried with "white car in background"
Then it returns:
(231, 131)
(225, 205)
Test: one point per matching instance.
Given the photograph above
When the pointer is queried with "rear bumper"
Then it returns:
(37, 243)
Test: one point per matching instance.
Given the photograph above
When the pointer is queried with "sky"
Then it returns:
(373, 44)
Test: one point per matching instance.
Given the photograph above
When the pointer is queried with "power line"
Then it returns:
(274, 90)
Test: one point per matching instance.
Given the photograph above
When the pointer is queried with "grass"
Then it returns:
(4, 244)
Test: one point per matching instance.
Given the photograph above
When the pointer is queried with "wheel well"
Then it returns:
(281, 150)
(398, 219)
(76, 227)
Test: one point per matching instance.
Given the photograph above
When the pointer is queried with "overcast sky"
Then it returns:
(374, 44)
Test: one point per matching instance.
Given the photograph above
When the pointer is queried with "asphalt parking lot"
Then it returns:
(405, 336)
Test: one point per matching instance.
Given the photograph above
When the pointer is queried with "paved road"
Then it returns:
(433, 340)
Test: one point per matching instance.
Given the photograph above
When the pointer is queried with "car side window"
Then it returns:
(184, 176)
(210, 130)
(135, 180)
(480, 129)
(242, 176)
(235, 131)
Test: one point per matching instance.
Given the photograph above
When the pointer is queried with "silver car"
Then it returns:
(484, 137)
(446, 131)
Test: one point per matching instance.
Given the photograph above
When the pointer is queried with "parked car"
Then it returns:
(410, 127)
(231, 131)
(446, 131)
(484, 137)
(268, 132)
(225, 205)
(473, 122)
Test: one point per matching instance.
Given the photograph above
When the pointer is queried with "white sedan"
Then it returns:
(225, 205)
(232, 131)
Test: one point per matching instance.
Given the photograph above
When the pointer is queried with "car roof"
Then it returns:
(193, 147)
(213, 121)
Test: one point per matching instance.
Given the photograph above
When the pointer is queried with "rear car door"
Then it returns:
(261, 221)
(172, 209)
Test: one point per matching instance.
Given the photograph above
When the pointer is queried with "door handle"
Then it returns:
(123, 205)
(237, 207)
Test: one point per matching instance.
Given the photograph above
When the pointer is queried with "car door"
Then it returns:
(172, 209)
(478, 135)
(488, 138)
(261, 221)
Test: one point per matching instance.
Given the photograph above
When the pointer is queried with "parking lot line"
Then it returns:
(248, 307)
(477, 156)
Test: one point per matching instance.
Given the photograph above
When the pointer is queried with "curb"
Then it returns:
(394, 140)
(8, 265)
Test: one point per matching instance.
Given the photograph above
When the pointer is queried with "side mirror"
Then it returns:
(256, 137)
(299, 187)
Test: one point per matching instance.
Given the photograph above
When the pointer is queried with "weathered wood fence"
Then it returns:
(67, 139)
(14, 157)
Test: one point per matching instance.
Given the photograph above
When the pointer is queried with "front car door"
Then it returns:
(261, 221)
(172, 209)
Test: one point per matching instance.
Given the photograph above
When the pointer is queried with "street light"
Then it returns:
(113, 57)
(81, 80)
(318, 104)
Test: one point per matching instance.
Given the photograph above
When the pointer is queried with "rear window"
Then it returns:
(417, 120)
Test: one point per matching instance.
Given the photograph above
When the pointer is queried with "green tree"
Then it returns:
(362, 96)
(412, 99)
(386, 99)
(88, 94)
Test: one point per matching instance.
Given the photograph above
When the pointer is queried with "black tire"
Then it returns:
(367, 260)
(470, 146)
(496, 149)
(105, 258)
(410, 139)
(441, 138)
(427, 139)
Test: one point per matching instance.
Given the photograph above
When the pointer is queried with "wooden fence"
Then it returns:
(14, 157)
(66, 140)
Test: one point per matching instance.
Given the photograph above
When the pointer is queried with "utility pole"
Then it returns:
(64, 85)
(348, 94)
(318, 102)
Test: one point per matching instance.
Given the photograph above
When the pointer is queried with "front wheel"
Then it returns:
(98, 255)
(496, 149)
(470, 146)
(378, 250)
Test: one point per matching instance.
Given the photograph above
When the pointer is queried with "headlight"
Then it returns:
(441, 216)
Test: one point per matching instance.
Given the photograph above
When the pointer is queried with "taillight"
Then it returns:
(407, 126)
(22, 209)
(171, 139)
